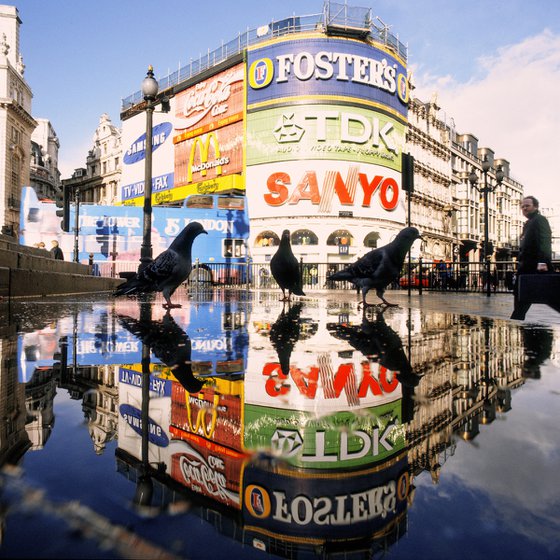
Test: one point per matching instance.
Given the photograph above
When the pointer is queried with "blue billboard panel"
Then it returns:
(329, 68)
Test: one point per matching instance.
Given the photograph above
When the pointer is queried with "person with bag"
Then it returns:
(535, 252)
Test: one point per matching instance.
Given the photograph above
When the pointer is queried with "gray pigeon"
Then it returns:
(285, 268)
(168, 270)
(378, 268)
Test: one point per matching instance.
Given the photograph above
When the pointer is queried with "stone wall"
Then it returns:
(27, 271)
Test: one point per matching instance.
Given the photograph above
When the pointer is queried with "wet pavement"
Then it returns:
(239, 426)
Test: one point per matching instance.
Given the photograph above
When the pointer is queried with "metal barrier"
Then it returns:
(420, 275)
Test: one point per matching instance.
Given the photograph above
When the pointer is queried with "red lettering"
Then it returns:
(274, 385)
(307, 189)
(343, 372)
(277, 186)
(388, 385)
(341, 190)
(306, 383)
(389, 187)
(368, 382)
(369, 188)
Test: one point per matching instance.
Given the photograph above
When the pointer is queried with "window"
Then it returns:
(231, 202)
(340, 237)
(267, 239)
(371, 239)
(304, 237)
(233, 248)
(199, 201)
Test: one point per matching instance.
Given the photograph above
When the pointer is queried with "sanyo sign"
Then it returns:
(137, 150)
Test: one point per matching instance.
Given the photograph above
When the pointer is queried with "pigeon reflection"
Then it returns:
(378, 342)
(538, 342)
(284, 334)
(169, 343)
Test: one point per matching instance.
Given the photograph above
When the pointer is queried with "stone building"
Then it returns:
(16, 122)
(445, 205)
(98, 182)
(44, 173)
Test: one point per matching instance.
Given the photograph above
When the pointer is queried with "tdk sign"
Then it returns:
(137, 150)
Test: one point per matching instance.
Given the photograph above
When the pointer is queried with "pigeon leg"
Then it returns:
(170, 305)
(386, 302)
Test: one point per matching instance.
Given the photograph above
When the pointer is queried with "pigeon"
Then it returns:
(284, 334)
(169, 343)
(168, 270)
(285, 269)
(381, 266)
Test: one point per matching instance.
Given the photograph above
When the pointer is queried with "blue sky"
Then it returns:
(494, 65)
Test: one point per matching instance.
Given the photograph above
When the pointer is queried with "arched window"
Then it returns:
(340, 237)
(304, 237)
(371, 239)
(267, 239)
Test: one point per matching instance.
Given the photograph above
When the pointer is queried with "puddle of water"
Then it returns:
(238, 425)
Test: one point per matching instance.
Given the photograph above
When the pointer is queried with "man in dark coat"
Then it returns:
(535, 250)
(56, 251)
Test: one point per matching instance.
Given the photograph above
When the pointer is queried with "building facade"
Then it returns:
(316, 145)
(98, 182)
(44, 173)
(16, 122)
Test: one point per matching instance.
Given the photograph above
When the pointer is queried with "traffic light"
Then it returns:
(63, 202)
(407, 173)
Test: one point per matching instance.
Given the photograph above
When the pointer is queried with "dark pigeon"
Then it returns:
(285, 269)
(284, 334)
(168, 270)
(169, 343)
(378, 268)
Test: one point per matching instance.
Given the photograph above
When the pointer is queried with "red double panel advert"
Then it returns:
(209, 414)
(207, 468)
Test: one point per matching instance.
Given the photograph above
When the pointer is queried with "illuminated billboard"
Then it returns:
(208, 135)
(338, 132)
(134, 156)
(330, 507)
(339, 440)
(324, 188)
(325, 130)
(209, 157)
(328, 68)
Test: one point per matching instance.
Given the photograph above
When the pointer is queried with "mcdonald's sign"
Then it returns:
(202, 147)
(209, 414)
(209, 156)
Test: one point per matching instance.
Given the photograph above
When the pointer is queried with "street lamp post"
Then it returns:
(149, 91)
(76, 224)
(473, 179)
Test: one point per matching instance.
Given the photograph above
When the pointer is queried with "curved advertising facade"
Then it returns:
(325, 130)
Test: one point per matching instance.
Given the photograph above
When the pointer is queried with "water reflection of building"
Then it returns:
(40, 391)
(100, 402)
(221, 450)
(14, 440)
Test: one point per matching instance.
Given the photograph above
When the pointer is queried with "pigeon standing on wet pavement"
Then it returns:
(284, 334)
(381, 266)
(285, 269)
(168, 270)
(169, 343)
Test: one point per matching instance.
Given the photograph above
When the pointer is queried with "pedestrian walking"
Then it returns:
(535, 252)
(56, 251)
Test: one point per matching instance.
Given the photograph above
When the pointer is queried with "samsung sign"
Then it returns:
(137, 150)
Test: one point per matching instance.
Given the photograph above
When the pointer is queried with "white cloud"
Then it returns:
(511, 107)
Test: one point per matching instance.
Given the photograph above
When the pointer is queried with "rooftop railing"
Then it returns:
(336, 17)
